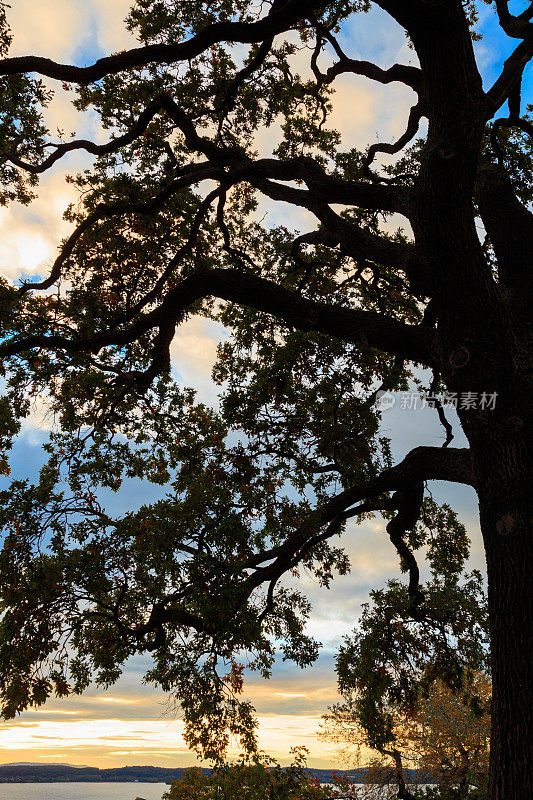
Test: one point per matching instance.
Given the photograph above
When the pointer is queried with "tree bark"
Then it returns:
(503, 468)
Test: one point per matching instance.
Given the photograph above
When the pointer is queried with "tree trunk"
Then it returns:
(502, 461)
(511, 612)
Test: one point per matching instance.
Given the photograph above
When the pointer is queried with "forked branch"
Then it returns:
(517, 26)
(421, 464)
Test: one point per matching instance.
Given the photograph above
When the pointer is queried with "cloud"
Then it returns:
(70, 30)
(83, 733)
(111, 31)
(31, 235)
(59, 29)
(113, 740)
(51, 28)
(193, 353)
(119, 700)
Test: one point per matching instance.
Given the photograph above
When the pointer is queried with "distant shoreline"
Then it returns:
(4, 781)
(63, 773)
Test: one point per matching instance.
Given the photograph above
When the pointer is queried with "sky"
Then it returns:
(131, 723)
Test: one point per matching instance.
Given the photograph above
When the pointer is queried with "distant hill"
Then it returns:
(40, 764)
(24, 772)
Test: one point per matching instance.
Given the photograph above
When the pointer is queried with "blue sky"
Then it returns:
(127, 724)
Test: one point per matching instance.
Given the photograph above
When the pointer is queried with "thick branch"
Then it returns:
(420, 464)
(405, 478)
(355, 240)
(365, 328)
(413, 123)
(510, 77)
(401, 73)
(325, 188)
(351, 325)
(509, 225)
(409, 504)
(282, 17)
(197, 172)
(298, 545)
(410, 76)
(517, 26)
(136, 130)
(322, 188)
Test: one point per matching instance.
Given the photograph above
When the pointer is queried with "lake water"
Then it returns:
(81, 791)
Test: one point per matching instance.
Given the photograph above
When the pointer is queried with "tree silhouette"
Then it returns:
(167, 225)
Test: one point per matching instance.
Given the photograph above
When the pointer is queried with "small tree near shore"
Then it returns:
(446, 739)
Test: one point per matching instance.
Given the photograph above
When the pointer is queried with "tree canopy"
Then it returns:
(250, 781)
(169, 223)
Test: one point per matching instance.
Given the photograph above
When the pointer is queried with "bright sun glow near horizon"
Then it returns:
(116, 742)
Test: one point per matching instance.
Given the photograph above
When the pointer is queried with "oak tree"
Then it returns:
(170, 223)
